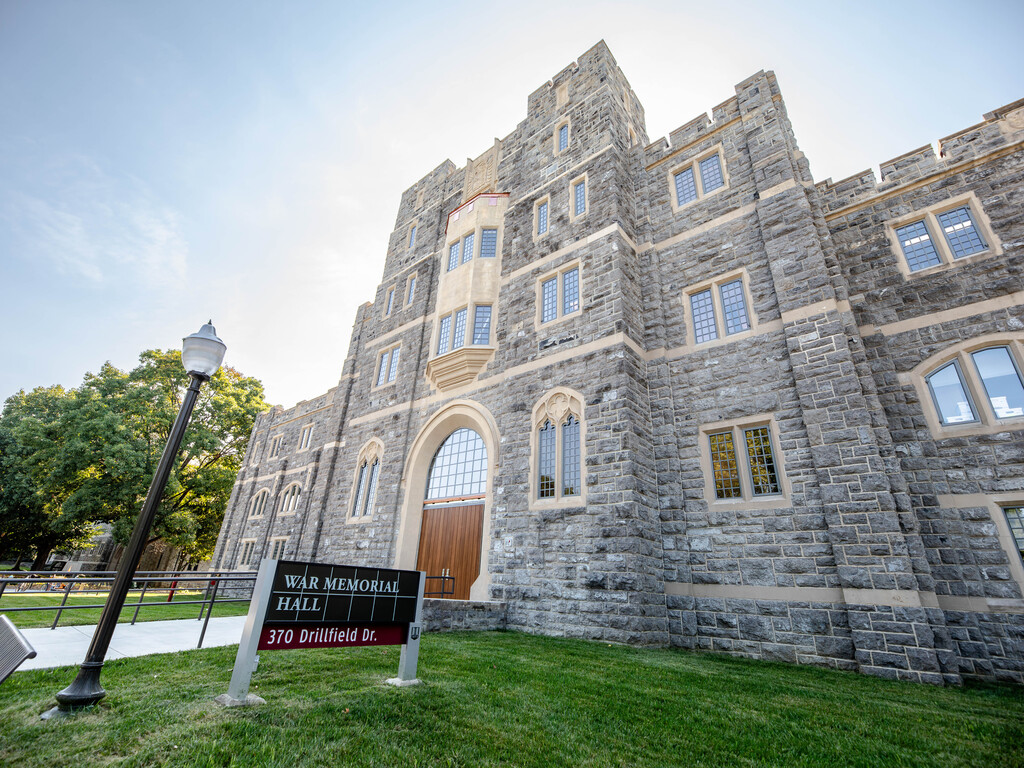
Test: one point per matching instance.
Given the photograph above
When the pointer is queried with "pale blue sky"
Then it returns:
(163, 162)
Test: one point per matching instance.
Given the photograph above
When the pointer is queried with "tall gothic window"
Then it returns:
(364, 489)
(558, 447)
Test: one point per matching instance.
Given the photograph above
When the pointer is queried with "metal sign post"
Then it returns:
(315, 605)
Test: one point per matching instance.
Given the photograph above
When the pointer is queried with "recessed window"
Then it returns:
(411, 291)
(244, 558)
(1015, 520)
(559, 294)
(578, 203)
(364, 490)
(453, 256)
(488, 243)
(482, 324)
(540, 217)
(697, 178)
(558, 447)
(276, 443)
(562, 137)
(990, 376)
(290, 499)
(387, 365)
(940, 236)
(741, 462)
(277, 547)
(467, 247)
(390, 302)
(451, 332)
(259, 503)
(412, 237)
(719, 308)
(307, 433)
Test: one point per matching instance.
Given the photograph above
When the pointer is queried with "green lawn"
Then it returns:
(509, 699)
(176, 610)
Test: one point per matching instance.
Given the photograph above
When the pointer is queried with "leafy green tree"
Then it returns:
(92, 459)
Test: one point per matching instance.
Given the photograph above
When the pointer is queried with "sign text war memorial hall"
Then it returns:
(676, 392)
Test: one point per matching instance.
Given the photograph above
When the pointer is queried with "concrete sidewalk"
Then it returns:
(66, 646)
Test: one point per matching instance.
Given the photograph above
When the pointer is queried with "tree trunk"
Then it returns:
(40, 562)
(17, 563)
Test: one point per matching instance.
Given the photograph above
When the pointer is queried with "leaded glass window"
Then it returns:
(1015, 519)
(734, 306)
(393, 368)
(459, 467)
(579, 196)
(259, 504)
(290, 499)
(546, 461)
(453, 256)
(686, 187)
(246, 555)
(950, 395)
(711, 174)
(459, 335)
(549, 300)
(724, 466)
(277, 548)
(467, 247)
(1002, 381)
(412, 290)
(443, 333)
(391, 301)
(382, 370)
(542, 218)
(412, 236)
(482, 324)
(764, 478)
(917, 246)
(371, 489)
(357, 505)
(703, 310)
(571, 457)
(570, 291)
(488, 243)
(563, 137)
(961, 234)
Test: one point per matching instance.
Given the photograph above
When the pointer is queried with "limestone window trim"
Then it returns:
(254, 453)
(983, 419)
(541, 218)
(694, 166)
(562, 95)
(389, 301)
(558, 409)
(365, 481)
(276, 443)
(275, 548)
(290, 499)
(386, 366)
(410, 240)
(258, 505)
(561, 135)
(749, 459)
(560, 275)
(245, 556)
(305, 437)
(938, 237)
(718, 299)
(575, 212)
(1012, 539)
(410, 289)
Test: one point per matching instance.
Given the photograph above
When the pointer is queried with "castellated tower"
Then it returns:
(676, 393)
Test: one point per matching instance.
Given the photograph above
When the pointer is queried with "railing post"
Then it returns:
(138, 607)
(206, 623)
(63, 601)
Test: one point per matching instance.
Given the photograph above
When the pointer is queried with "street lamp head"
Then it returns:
(203, 352)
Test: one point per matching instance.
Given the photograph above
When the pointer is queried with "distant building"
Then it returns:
(678, 393)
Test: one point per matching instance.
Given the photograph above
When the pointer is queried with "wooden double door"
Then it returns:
(450, 545)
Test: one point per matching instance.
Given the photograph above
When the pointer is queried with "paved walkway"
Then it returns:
(66, 646)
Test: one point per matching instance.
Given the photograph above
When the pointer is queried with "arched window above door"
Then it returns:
(459, 468)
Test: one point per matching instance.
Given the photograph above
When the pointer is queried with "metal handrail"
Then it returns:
(90, 582)
(445, 582)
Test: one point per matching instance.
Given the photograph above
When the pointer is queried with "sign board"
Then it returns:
(316, 605)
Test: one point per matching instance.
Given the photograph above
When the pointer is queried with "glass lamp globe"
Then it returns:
(203, 352)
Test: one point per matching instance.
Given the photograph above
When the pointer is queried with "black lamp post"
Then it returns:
(201, 355)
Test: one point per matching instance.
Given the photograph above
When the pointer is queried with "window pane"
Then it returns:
(412, 289)
(764, 479)
(357, 505)
(963, 237)
(371, 489)
(711, 174)
(391, 301)
(459, 467)
(453, 256)
(546, 461)
(549, 300)
(579, 194)
(1015, 519)
(1002, 381)
(393, 368)
(686, 188)
(571, 291)
(735, 307)
(482, 325)
(459, 337)
(412, 236)
(382, 369)
(571, 457)
(467, 247)
(950, 395)
(542, 218)
(703, 317)
(443, 333)
(488, 243)
(563, 137)
(723, 464)
(917, 246)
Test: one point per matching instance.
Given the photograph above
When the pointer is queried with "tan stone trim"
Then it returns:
(543, 201)
(674, 353)
(994, 503)
(934, 318)
(812, 310)
(567, 122)
(979, 604)
(554, 256)
(583, 179)
(897, 598)
(693, 164)
(714, 286)
(703, 137)
(570, 172)
(924, 181)
(718, 221)
(384, 338)
(273, 475)
(746, 592)
(748, 501)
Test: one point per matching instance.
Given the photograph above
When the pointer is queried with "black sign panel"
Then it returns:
(315, 593)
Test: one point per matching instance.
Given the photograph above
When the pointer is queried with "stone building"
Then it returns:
(678, 393)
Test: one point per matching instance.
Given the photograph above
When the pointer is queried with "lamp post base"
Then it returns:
(83, 692)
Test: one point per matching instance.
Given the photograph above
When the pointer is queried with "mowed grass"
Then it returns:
(161, 610)
(508, 699)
